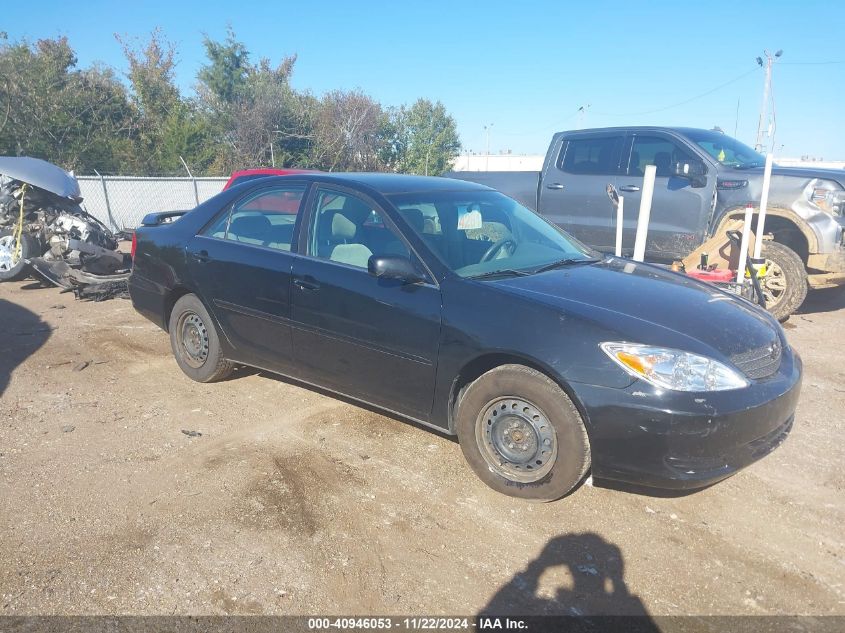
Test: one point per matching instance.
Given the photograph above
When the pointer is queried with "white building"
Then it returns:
(498, 162)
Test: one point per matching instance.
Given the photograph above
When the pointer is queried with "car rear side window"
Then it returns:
(658, 151)
(265, 218)
(597, 155)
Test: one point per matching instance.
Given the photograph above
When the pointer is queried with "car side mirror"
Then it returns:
(393, 267)
(693, 170)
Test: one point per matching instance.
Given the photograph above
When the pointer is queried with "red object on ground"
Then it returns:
(243, 175)
(717, 276)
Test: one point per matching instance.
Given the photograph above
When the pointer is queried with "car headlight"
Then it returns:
(674, 369)
(826, 195)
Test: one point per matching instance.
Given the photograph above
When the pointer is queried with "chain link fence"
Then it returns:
(121, 201)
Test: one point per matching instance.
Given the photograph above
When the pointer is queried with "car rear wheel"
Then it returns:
(12, 264)
(194, 341)
(785, 283)
(522, 435)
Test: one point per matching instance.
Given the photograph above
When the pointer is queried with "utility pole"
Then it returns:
(487, 159)
(761, 127)
(736, 120)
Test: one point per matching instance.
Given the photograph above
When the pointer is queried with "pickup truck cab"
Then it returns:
(704, 179)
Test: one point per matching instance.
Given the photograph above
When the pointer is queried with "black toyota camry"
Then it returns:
(448, 303)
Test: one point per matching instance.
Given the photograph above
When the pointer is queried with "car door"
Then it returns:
(369, 338)
(573, 192)
(679, 210)
(242, 264)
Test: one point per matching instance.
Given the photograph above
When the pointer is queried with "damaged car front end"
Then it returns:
(43, 229)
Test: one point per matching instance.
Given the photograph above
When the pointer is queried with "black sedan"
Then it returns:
(447, 303)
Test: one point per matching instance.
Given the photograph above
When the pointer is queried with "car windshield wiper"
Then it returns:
(499, 273)
(750, 165)
(565, 262)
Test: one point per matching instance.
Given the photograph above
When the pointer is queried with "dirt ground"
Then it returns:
(293, 502)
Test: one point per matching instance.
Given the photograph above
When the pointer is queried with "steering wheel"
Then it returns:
(496, 246)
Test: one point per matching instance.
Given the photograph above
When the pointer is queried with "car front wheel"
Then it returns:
(12, 256)
(522, 435)
(784, 285)
(194, 341)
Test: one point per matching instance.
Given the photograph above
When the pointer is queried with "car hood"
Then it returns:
(798, 172)
(649, 304)
(39, 173)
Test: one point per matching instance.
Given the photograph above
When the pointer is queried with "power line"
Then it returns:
(690, 100)
(811, 63)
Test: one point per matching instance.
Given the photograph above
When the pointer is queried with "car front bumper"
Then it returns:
(651, 437)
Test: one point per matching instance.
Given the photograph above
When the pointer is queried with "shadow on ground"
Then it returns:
(826, 300)
(23, 332)
(592, 583)
(243, 371)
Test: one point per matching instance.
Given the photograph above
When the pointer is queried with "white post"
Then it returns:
(743, 247)
(764, 203)
(619, 216)
(645, 212)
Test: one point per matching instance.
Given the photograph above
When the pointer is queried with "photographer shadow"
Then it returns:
(597, 589)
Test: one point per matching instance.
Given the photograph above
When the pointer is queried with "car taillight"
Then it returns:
(134, 245)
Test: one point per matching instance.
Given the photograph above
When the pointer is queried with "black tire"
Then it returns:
(485, 415)
(785, 282)
(29, 248)
(195, 343)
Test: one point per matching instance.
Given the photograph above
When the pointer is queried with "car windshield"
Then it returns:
(486, 234)
(728, 151)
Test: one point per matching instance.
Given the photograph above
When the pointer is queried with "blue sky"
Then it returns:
(524, 67)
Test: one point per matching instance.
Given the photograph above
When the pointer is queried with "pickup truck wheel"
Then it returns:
(522, 435)
(14, 268)
(194, 341)
(785, 283)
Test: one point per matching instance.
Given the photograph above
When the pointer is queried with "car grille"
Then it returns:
(760, 362)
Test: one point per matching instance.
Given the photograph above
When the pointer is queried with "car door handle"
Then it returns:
(554, 185)
(629, 188)
(202, 256)
(305, 285)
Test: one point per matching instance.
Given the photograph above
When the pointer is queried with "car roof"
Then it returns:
(269, 171)
(642, 128)
(388, 184)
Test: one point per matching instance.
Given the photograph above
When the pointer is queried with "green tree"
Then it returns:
(79, 119)
(348, 132)
(266, 122)
(228, 67)
(424, 139)
(244, 115)
(167, 128)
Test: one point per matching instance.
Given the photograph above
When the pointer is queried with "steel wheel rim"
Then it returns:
(7, 253)
(774, 284)
(192, 336)
(516, 439)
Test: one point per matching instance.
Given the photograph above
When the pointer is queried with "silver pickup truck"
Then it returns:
(704, 179)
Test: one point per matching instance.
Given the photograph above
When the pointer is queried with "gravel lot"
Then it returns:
(291, 501)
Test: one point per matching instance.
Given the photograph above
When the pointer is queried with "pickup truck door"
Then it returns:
(573, 186)
(679, 211)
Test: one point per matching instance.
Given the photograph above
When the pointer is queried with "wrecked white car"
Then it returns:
(43, 229)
